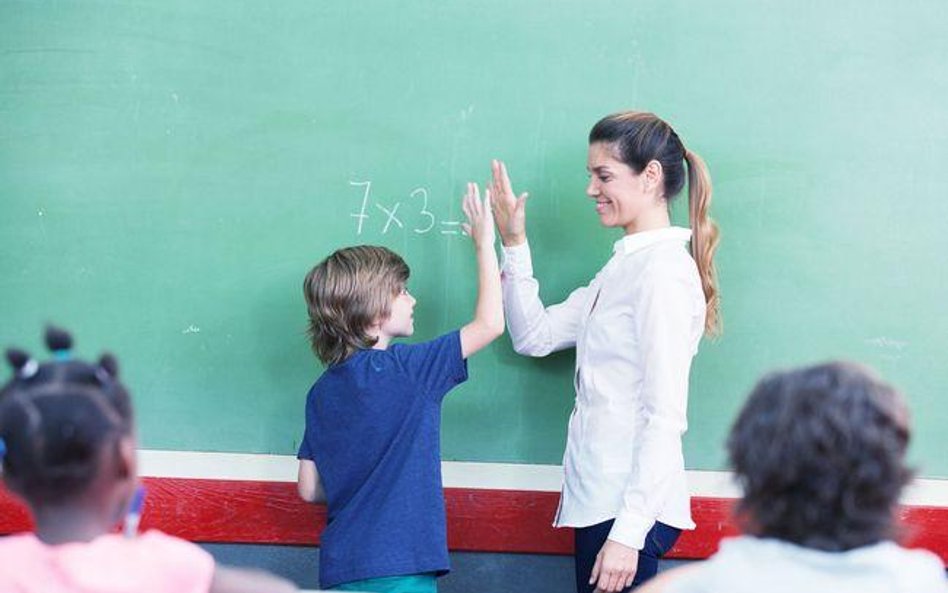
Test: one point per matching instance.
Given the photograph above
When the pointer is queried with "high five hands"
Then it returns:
(509, 209)
(480, 219)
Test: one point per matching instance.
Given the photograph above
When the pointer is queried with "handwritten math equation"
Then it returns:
(413, 211)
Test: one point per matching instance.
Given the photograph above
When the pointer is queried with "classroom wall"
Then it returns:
(170, 170)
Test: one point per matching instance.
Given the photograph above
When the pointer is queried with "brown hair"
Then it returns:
(346, 294)
(639, 138)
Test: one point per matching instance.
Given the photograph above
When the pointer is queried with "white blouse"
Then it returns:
(636, 328)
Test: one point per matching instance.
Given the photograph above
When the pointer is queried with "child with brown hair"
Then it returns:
(373, 417)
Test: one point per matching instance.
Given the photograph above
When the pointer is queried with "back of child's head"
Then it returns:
(346, 294)
(57, 418)
(820, 454)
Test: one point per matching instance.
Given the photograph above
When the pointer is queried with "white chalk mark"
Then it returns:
(40, 212)
(192, 329)
(467, 113)
(424, 209)
(450, 223)
(887, 343)
(365, 200)
(391, 216)
(174, 97)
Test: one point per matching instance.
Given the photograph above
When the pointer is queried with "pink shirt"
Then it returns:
(151, 563)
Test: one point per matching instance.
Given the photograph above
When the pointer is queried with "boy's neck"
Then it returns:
(382, 339)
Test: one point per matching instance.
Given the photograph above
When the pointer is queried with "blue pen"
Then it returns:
(135, 512)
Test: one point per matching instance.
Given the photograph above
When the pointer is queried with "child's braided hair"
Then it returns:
(57, 419)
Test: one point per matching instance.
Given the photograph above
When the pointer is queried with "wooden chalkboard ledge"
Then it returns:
(479, 520)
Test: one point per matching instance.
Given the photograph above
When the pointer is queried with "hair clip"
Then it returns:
(3, 449)
(62, 355)
(30, 368)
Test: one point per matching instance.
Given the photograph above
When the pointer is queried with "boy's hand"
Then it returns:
(488, 322)
(480, 219)
(510, 210)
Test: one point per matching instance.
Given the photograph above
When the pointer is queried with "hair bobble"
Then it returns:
(103, 376)
(57, 339)
(29, 369)
(108, 363)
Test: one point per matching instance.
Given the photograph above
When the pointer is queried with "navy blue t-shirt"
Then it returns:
(373, 430)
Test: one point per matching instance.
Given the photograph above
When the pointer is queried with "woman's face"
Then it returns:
(620, 194)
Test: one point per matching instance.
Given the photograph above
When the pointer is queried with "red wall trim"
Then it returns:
(230, 511)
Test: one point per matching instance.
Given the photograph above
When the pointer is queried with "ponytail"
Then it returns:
(641, 137)
(704, 238)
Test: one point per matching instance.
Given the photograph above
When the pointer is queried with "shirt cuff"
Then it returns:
(631, 531)
(516, 260)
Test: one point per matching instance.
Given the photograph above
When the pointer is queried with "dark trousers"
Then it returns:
(589, 541)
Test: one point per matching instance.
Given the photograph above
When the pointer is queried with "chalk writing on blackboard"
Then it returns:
(386, 216)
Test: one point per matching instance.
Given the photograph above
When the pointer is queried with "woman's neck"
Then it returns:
(649, 220)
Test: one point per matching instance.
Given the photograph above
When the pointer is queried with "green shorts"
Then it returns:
(409, 583)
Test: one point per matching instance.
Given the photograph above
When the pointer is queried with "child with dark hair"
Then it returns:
(68, 449)
(373, 417)
(820, 455)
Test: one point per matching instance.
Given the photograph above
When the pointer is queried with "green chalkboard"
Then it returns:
(169, 171)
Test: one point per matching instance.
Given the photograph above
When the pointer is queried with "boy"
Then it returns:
(372, 418)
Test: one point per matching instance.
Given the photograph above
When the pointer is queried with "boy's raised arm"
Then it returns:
(488, 322)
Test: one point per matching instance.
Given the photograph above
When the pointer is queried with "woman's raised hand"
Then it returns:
(509, 209)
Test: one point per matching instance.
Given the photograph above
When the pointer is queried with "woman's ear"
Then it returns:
(654, 177)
